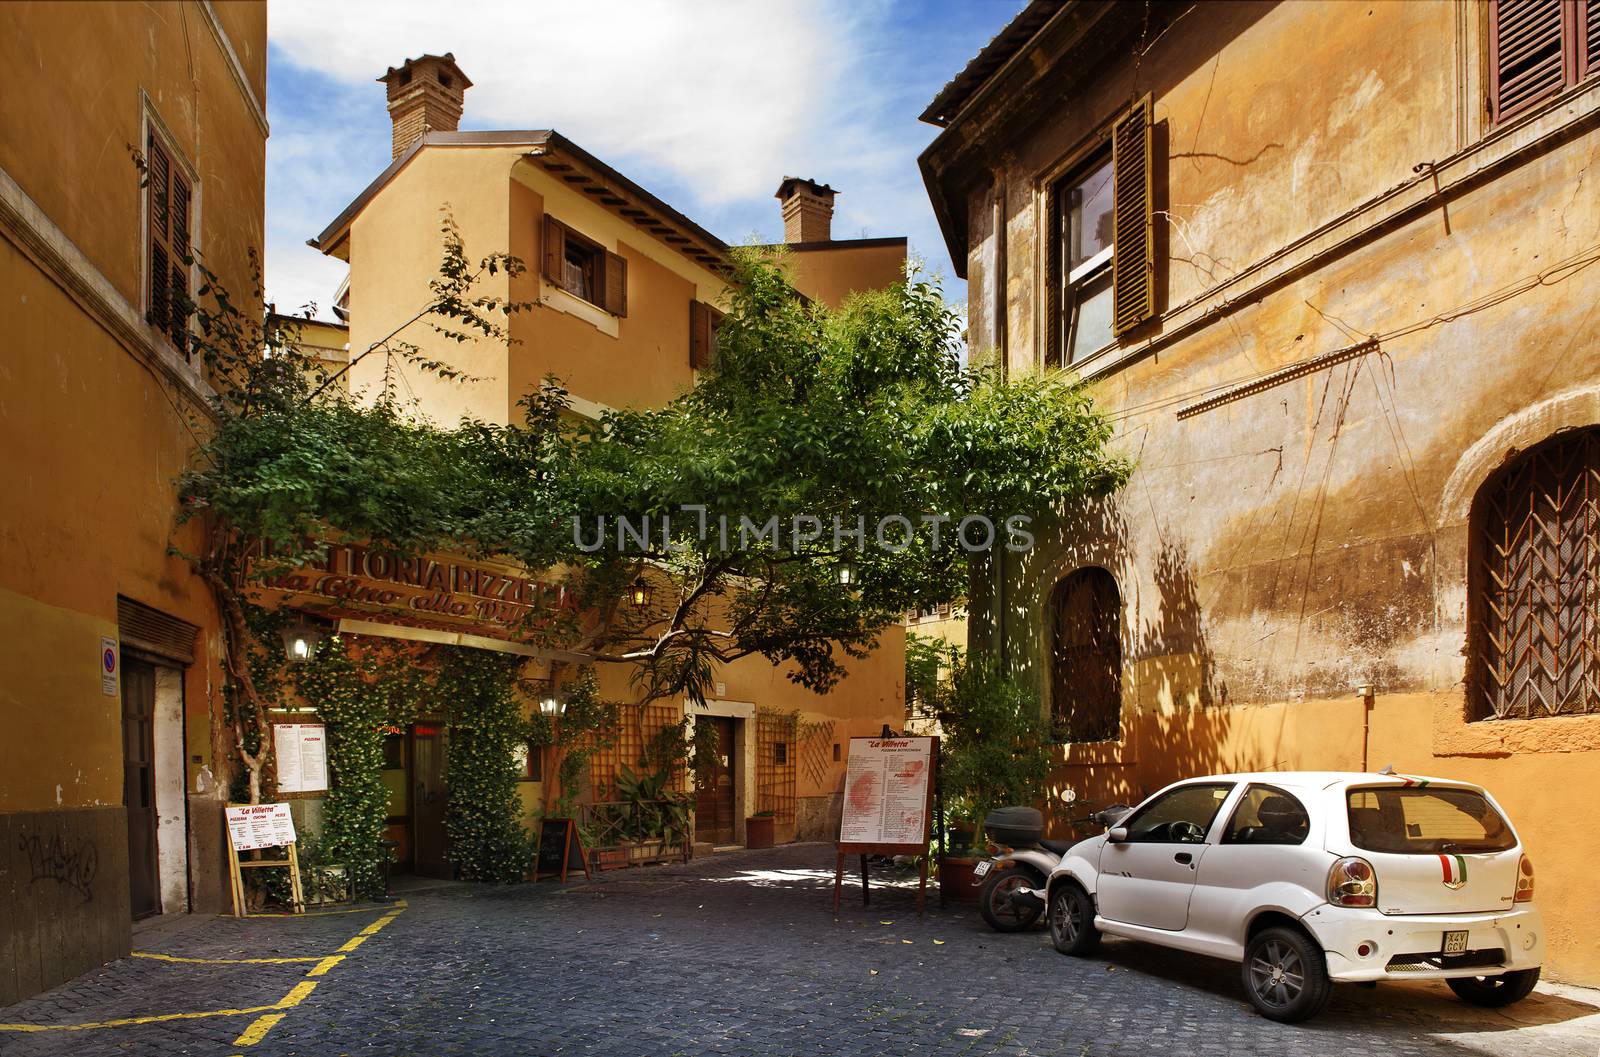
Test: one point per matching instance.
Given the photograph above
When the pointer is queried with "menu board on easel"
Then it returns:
(256, 827)
(888, 804)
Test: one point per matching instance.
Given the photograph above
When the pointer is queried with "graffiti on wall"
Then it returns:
(71, 864)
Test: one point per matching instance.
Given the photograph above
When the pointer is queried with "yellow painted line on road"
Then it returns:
(258, 1030)
(153, 956)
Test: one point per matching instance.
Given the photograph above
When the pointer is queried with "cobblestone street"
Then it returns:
(734, 954)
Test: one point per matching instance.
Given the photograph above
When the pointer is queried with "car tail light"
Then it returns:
(1351, 883)
(1525, 880)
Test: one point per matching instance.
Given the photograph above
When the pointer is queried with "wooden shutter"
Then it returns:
(555, 249)
(1133, 260)
(158, 181)
(1054, 354)
(1528, 59)
(178, 246)
(703, 321)
(1589, 38)
(615, 285)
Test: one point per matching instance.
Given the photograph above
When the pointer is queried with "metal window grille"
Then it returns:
(1536, 589)
(775, 778)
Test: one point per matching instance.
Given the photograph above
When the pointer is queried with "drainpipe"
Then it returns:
(1365, 693)
(997, 310)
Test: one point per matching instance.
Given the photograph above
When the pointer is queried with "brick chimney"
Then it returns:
(424, 96)
(807, 210)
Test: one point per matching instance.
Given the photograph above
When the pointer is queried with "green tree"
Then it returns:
(996, 746)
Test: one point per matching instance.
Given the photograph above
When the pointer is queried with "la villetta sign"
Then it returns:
(421, 590)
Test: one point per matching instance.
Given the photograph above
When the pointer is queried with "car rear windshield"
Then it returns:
(1426, 821)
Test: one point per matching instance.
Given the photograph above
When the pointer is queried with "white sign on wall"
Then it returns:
(886, 791)
(302, 750)
(260, 826)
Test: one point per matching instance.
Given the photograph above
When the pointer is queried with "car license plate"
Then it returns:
(1455, 942)
(981, 869)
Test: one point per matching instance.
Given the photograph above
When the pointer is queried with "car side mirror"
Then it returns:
(1117, 835)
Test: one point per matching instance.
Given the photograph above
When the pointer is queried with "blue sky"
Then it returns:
(707, 103)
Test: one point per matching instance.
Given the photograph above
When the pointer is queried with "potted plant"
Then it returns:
(995, 751)
(759, 829)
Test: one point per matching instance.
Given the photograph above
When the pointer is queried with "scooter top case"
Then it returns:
(1015, 827)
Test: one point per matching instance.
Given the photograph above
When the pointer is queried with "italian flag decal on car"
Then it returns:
(1412, 783)
(1455, 870)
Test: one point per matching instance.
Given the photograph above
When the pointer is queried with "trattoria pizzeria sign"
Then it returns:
(419, 589)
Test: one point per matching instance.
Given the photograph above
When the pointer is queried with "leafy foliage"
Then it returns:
(996, 745)
(484, 693)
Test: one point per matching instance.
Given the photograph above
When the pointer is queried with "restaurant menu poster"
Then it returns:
(254, 826)
(886, 791)
(302, 750)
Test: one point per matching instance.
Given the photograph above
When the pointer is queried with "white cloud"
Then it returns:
(707, 103)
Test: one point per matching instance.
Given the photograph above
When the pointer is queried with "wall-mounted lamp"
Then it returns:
(300, 641)
(639, 594)
(846, 572)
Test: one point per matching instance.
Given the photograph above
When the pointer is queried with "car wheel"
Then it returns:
(1499, 990)
(1285, 975)
(995, 900)
(1072, 920)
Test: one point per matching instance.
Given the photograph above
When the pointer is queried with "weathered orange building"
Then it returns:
(134, 135)
(626, 292)
(1330, 267)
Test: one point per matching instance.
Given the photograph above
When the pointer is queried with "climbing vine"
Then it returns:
(362, 697)
(483, 694)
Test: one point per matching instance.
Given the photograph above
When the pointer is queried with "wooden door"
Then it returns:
(713, 813)
(139, 785)
(429, 798)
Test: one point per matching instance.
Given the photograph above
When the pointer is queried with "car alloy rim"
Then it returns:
(1276, 974)
(1002, 903)
(1065, 920)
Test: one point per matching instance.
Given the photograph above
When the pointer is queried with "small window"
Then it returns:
(704, 322)
(780, 752)
(394, 752)
(584, 268)
(1182, 816)
(1268, 815)
(1537, 49)
(167, 207)
(527, 762)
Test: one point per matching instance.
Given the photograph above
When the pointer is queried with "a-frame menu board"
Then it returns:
(888, 805)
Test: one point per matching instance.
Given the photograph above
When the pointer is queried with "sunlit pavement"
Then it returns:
(732, 954)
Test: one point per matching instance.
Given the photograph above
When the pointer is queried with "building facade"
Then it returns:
(108, 660)
(1329, 267)
(626, 293)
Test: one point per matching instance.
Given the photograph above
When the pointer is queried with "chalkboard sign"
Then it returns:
(560, 849)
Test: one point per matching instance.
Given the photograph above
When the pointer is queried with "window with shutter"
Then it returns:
(1538, 48)
(168, 204)
(584, 268)
(703, 323)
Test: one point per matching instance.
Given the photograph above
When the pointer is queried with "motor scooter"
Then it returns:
(1026, 860)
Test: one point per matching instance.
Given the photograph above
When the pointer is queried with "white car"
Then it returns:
(1310, 878)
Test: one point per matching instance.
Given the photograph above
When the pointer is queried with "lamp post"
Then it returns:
(300, 641)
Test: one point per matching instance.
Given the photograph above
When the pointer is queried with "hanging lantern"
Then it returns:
(846, 572)
(639, 594)
(300, 641)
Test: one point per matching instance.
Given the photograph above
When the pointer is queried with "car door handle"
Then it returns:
(1183, 857)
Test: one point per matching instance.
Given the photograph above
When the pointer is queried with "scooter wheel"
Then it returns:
(995, 902)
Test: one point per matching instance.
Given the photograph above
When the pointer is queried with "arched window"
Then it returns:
(1086, 659)
(1535, 584)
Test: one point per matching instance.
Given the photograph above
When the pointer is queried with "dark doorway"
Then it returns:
(139, 784)
(1086, 664)
(430, 846)
(713, 811)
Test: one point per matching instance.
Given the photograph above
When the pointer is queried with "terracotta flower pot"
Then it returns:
(758, 831)
(955, 879)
